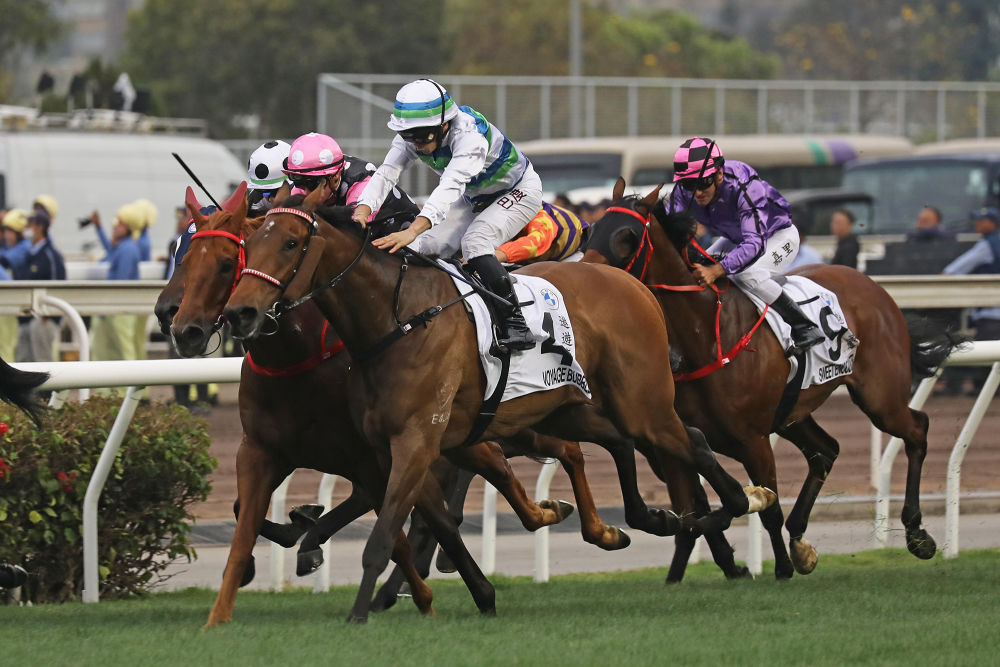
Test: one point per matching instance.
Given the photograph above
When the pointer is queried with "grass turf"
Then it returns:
(882, 608)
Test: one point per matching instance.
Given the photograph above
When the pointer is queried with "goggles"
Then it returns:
(420, 136)
(696, 184)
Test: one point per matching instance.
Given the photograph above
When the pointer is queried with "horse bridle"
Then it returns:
(312, 226)
(645, 248)
(241, 262)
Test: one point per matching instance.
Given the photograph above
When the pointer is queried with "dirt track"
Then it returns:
(839, 417)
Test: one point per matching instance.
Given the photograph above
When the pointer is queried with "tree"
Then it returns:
(25, 24)
(526, 37)
(220, 59)
(890, 39)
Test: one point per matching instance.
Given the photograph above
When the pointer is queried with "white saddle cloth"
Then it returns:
(552, 362)
(829, 359)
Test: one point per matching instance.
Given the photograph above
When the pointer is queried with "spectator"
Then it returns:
(37, 336)
(842, 226)
(149, 215)
(983, 257)
(807, 254)
(928, 227)
(114, 336)
(8, 325)
(15, 248)
(48, 204)
(563, 201)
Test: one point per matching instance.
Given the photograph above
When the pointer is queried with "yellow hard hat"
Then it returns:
(49, 203)
(16, 219)
(133, 217)
(149, 211)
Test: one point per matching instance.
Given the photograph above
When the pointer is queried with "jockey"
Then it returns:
(553, 235)
(487, 194)
(316, 158)
(264, 175)
(753, 223)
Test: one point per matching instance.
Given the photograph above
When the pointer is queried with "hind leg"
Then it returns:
(820, 450)
(310, 555)
(890, 413)
(569, 455)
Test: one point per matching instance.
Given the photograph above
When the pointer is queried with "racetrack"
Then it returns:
(881, 608)
(850, 476)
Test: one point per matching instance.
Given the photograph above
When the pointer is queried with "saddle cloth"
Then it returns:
(829, 359)
(552, 362)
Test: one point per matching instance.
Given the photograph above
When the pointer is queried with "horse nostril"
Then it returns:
(192, 333)
(240, 317)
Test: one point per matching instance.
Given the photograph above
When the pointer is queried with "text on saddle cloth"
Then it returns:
(552, 362)
(830, 359)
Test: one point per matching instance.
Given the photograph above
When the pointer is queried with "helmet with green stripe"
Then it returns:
(423, 104)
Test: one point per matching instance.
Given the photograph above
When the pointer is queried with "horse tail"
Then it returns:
(931, 342)
(18, 388)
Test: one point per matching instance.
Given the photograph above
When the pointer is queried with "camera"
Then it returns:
(83, 222)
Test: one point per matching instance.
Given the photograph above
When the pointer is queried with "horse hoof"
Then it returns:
(739, 572)
(664, 522)
(623, 539)
(305, 516)
(352, 619)
(249, 572)
(308, 562)
(444, 564)
(760, 498)
(384, 599)
(561, 508)
(804, 556)
(921, 544)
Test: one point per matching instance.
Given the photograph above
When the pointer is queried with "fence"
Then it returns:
(354, 107)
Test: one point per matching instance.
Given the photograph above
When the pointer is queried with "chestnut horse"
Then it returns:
(279, 418)
(420, 396)
(740, 404)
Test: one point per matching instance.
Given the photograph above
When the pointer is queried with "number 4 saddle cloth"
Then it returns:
(829, 359)
(552, 362)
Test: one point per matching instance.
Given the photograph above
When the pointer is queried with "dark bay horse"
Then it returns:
(420, 396)
(290, 416)
(739, 405)
(18, 387)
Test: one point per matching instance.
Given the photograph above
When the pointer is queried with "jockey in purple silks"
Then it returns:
(754, 225)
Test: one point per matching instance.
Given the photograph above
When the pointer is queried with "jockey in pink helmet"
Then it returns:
(317, 158)
(754, 225)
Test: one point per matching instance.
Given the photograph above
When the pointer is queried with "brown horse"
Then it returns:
(285, 429)
(740, 404)
(420, 396)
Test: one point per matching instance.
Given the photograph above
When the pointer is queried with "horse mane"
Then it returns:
(679, 227)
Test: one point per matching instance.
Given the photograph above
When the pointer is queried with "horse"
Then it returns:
(737, 398)
(270, 410)
(418, 392)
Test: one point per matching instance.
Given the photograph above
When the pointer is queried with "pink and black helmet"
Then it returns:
(314, 154)
(696, 158)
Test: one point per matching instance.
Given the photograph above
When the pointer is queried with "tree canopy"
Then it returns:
(25, 24)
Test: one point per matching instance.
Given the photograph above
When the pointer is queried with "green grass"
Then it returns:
(880, 608)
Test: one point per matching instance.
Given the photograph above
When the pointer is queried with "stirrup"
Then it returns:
(514, 333)
(805, 338)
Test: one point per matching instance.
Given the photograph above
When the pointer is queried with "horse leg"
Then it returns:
(820, 450)
(411, 456)
(430, 505)
(282, 534)
(569, 455)
(402, 556)
(456, 509)
(487, 459)
(891, 414)
(310, 555)
(758, 461)
(257, 475)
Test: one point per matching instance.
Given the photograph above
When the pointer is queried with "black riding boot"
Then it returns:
(514, 333)
(805, 333)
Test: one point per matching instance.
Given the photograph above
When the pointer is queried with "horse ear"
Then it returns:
(316, 197)
(239, 196)
(240, 213)
(654, 196)
(194, 210)
(619, 190)
(190, 199)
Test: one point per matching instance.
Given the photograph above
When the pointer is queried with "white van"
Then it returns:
(87, 171)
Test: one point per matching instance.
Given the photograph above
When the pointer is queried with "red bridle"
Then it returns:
(241, 260)
(645, 244)
(267, 277)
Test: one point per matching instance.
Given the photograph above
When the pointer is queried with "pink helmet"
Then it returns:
(314, 155)
(696, 158)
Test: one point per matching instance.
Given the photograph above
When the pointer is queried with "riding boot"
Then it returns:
(805, 333)
(514, 333)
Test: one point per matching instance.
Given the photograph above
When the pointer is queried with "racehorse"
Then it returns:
(18, 387)
(421, 395)
(289, 406)
(737, 398)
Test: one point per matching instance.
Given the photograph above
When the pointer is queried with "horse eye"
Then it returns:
(290, 244)
(226, 266)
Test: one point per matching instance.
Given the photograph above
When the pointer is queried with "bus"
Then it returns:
(787, 161)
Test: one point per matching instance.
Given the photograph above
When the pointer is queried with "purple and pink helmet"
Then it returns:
(696, 158)
(314, 154)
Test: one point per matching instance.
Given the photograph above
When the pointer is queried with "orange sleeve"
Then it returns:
(540, 233)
